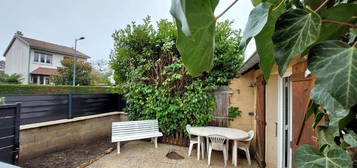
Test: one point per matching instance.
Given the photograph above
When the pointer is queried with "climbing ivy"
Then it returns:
(323, 32)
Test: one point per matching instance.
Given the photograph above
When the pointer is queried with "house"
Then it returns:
(36, 61)
(2, 66)
(274, 109)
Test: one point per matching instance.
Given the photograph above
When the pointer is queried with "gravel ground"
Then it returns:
(77, 156)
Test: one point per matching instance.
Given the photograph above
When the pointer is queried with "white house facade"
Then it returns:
(36, 61)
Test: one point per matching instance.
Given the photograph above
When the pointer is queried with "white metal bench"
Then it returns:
(135, 130)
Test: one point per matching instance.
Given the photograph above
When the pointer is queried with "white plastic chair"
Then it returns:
(245, 144)
(218, 143)
(193, 141)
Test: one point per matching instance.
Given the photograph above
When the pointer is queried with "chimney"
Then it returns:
(19, 33)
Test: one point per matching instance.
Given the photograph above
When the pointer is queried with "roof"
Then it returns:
(251, 63)
(46, 46)
(45, 71)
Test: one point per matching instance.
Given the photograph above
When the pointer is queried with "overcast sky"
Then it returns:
(61, 21)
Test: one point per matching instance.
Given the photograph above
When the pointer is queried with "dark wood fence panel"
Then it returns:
(41, 108)
(9, 132)
(89, 104)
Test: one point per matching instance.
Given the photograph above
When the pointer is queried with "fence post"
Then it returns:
(70, 115)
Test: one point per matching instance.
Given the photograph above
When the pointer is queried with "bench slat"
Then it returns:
(136, 137)
(134, 130)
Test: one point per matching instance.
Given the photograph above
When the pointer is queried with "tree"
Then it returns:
(101, 74)
(65, 73)
(10, 79)
(149, 71)
(322, 31)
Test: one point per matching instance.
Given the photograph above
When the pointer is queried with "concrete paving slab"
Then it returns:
(143, 154)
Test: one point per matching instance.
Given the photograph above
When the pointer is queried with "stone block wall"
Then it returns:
(42, 138)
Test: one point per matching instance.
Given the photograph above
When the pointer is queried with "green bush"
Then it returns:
(2, 100)
(10, 79)
(149, 71)
(234, 112)
(65, 73)
(47, 89)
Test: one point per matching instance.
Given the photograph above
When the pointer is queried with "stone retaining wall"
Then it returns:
(41, 138)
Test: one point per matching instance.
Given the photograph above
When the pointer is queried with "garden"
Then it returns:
(167, 73)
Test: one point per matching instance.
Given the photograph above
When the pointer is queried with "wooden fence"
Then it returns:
(220, 114)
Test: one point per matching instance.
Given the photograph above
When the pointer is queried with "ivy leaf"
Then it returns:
(264, 42)
(343, 13)
(332, 157)
(195, 22)
(325, 136)
(334, 64)
(351, 138)
(295, 31)
(335, 110)
(257, 19)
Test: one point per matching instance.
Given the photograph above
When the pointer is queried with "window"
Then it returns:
(41, 80)
(43, 58)
(34, 79)
(36, 57)
(48, 59)
(47, 80)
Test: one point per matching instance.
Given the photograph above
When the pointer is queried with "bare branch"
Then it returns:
(321, 6)
(340, 23)
(230, 6)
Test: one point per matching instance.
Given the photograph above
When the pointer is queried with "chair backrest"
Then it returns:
(217, 142)
(188, 126)
(251, 136)
(134, 127)
(217, 139)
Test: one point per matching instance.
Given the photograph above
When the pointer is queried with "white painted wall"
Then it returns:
(17, 60)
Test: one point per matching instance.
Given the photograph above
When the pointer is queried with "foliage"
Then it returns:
(65, 73)
(234, 112)
(101, 74)
(10, 79)
(149, 71)
(9, 89)
(199, 35)
(324, 32)
(2, 100)
(100, 78)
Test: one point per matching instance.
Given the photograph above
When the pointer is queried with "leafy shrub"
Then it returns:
(48, 89)
(234, 112)
(2, 100)
(149, 71)
(10, 79)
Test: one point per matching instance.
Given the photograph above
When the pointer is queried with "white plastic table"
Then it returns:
(231, 133)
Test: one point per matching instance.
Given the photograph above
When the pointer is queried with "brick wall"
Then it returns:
(42, 138)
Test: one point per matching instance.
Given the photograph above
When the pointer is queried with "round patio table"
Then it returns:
(231, 133)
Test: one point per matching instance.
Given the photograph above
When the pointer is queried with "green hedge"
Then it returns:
(48, 89)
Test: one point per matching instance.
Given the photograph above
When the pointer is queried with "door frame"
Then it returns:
(280, 121)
